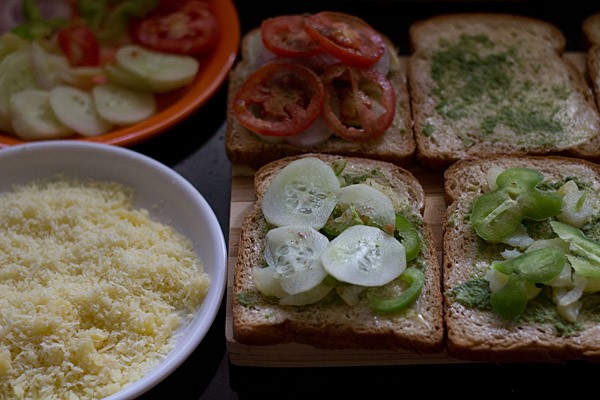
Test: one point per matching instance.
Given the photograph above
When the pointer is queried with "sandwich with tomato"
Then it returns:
(325, 83)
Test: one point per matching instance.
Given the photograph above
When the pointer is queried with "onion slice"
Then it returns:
(317, 133)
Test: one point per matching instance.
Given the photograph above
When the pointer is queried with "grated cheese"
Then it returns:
(92, 291)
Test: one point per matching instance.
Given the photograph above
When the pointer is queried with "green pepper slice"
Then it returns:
(583, 267)
(511, 300)
(495, 215)
(415, 279)
(538, 266)
(499, 213)
(35, 26)
(518, 179)
(578, 243)
(407, 234)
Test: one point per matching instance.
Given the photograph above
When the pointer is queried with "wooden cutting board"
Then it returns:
(298, 355)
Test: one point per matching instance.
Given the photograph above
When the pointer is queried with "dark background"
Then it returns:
(195, 148)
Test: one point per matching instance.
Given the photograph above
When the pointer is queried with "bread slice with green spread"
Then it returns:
(591, 32)
(521, 268)
(396, 145)
(486, 84)
(379, 290)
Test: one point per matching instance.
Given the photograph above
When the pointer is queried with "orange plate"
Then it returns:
(176, 105)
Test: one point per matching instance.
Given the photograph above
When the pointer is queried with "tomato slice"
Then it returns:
(80, 45)
(279, 99)
(285, 36)
(181, 27)
(347, 37)
(359, 104)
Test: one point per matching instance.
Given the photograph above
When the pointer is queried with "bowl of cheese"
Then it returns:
(112, 270)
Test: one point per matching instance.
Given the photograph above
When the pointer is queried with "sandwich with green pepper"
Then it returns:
(522, 259)
(336, 253)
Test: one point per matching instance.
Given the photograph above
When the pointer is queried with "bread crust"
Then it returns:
(397, 145)
(591, 34)
(333, 324)
(474, 334)
(443, 139)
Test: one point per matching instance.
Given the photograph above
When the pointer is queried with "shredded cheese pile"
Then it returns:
(92, 291)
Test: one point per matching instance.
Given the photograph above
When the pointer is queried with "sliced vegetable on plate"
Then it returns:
(97, 75)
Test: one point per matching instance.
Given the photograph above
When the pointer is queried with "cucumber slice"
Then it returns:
(312, 296)
(32, 116)
(49, 69)
(162, 72)
(295, 253)
(302, 193)
(16, 75)
(267, 282)
(350, 293)
(76, 109)
(373, 206)
(120, 76)
(364, 255)
(123, 106)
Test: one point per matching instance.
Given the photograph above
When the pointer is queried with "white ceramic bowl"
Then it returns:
(168, 197)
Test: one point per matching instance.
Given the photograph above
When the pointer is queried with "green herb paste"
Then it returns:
(476, 80)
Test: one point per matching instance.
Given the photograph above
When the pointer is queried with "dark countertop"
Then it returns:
(195, 148)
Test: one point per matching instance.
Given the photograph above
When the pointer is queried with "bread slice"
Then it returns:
(397, 145)
(477, 333)
(591, 31)
(331, 323)
(484, 84)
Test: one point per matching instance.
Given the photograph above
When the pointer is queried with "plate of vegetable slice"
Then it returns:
(117, 72)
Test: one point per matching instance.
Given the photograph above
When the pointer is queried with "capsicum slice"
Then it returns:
(499, 213)
(537, 266)
(408, 235)
(415, 279)
(511, 300)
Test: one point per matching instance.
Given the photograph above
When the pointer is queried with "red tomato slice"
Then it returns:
(359, 104)
(286, 37)
(80, 46)
(346, 37)
(279, 99)
(181, 27)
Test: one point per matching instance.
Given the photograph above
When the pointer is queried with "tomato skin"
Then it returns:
(279, 99)
(347, 37)
(182, 27)
(359, 104)
(285, 36)
(80, 46)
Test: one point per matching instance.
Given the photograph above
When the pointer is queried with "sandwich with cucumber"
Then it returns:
(336, 253)
(521, 266)
(318, 83)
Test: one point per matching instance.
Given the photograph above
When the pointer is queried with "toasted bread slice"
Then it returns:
(486, 84)
(397, 145)
(591, 32)
(474, 331)
(591, 29)
(331, 323)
